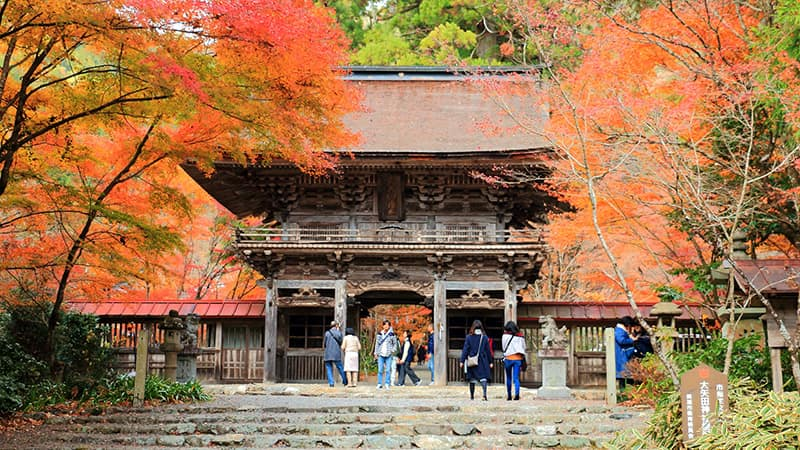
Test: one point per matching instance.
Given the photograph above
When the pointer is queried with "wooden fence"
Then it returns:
(585, 364)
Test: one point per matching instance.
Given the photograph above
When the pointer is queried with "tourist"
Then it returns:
(476, 347)
(431, 338)
(641, 341)
(385, 347)
(513, 356)
(623, 348)
(421, 352)
(351, 345)
(333, 353)
(398, 351)
(404, 362)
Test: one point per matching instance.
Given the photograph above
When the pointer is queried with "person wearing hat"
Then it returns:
(332, 354)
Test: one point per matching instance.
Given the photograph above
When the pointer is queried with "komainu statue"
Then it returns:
(552, 336)
(189, 333)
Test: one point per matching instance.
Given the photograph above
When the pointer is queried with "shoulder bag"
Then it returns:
(472, 361)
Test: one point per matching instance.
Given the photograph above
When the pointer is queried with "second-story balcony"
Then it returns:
(388, 236)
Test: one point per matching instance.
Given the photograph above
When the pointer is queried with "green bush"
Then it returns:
(664, 427)
(82, 358)
(20, 370)
(760, 421)
(750, 359)
(756, 420)
(119, 389)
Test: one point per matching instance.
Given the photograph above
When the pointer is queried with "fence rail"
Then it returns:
(388, 233)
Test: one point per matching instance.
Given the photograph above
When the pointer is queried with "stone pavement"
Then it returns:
(312, 416)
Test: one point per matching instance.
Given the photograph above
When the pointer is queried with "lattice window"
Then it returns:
(307, 331)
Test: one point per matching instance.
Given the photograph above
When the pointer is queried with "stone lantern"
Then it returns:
(173, 326)
(665, 313)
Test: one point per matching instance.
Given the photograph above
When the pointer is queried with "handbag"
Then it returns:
(472, 361)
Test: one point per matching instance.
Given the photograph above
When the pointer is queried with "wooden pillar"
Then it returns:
(271, 332)
(611, 367)
(340, 303)
(142, 342)
(777, 370)
(440, 331)
(572, 362)
(218, 346)
(510, 295)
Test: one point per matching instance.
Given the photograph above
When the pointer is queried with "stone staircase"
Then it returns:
(313, 417)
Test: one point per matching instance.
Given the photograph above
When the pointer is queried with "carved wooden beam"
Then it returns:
(441, 265)
(466, 303)
(305, 302)
(353, 191)
(267, 263)
(431, 190)
(339, 264)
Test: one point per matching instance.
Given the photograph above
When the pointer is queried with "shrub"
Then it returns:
(664, 427)
(82, 358)
(20, 370)
(750, 358)
(119, 389)
(760, 421)
(651, 381)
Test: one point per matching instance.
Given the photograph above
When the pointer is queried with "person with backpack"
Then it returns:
(332, 355)
(385, 348)
(404, 362)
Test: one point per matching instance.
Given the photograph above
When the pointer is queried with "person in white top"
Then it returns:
(351, 345)
(514, 349)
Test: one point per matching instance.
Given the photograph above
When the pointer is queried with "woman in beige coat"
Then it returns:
(351, 345)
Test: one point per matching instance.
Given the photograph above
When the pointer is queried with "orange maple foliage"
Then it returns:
(628, 126)
(102, 100)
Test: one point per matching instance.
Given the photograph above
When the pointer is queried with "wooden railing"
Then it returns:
(471, 234)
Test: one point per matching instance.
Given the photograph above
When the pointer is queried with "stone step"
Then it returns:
(238, 440)
(502, 416)
(479, 408)
(430, 427)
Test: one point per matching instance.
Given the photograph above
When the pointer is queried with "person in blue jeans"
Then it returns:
(431, 337)
(385, 347)
(514, 350)
(332, 355)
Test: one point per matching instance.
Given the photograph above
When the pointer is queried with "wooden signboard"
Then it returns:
(704, 395)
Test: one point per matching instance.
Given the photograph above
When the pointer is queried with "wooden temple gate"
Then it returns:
(232, 350)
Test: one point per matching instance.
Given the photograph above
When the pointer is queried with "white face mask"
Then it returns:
(478, 331)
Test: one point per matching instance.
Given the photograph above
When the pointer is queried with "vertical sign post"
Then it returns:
(611, 367)
(142, 340)
(704, 395)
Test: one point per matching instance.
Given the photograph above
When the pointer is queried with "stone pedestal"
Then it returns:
(187, 365)
(172, 326)
(554, 374)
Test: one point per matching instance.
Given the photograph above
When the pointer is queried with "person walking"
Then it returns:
(476, 356)
(404, 362)
(431, 338)
(421, 353)
(351, 345)
(514, 350)
(332, 354)
(385, 347)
